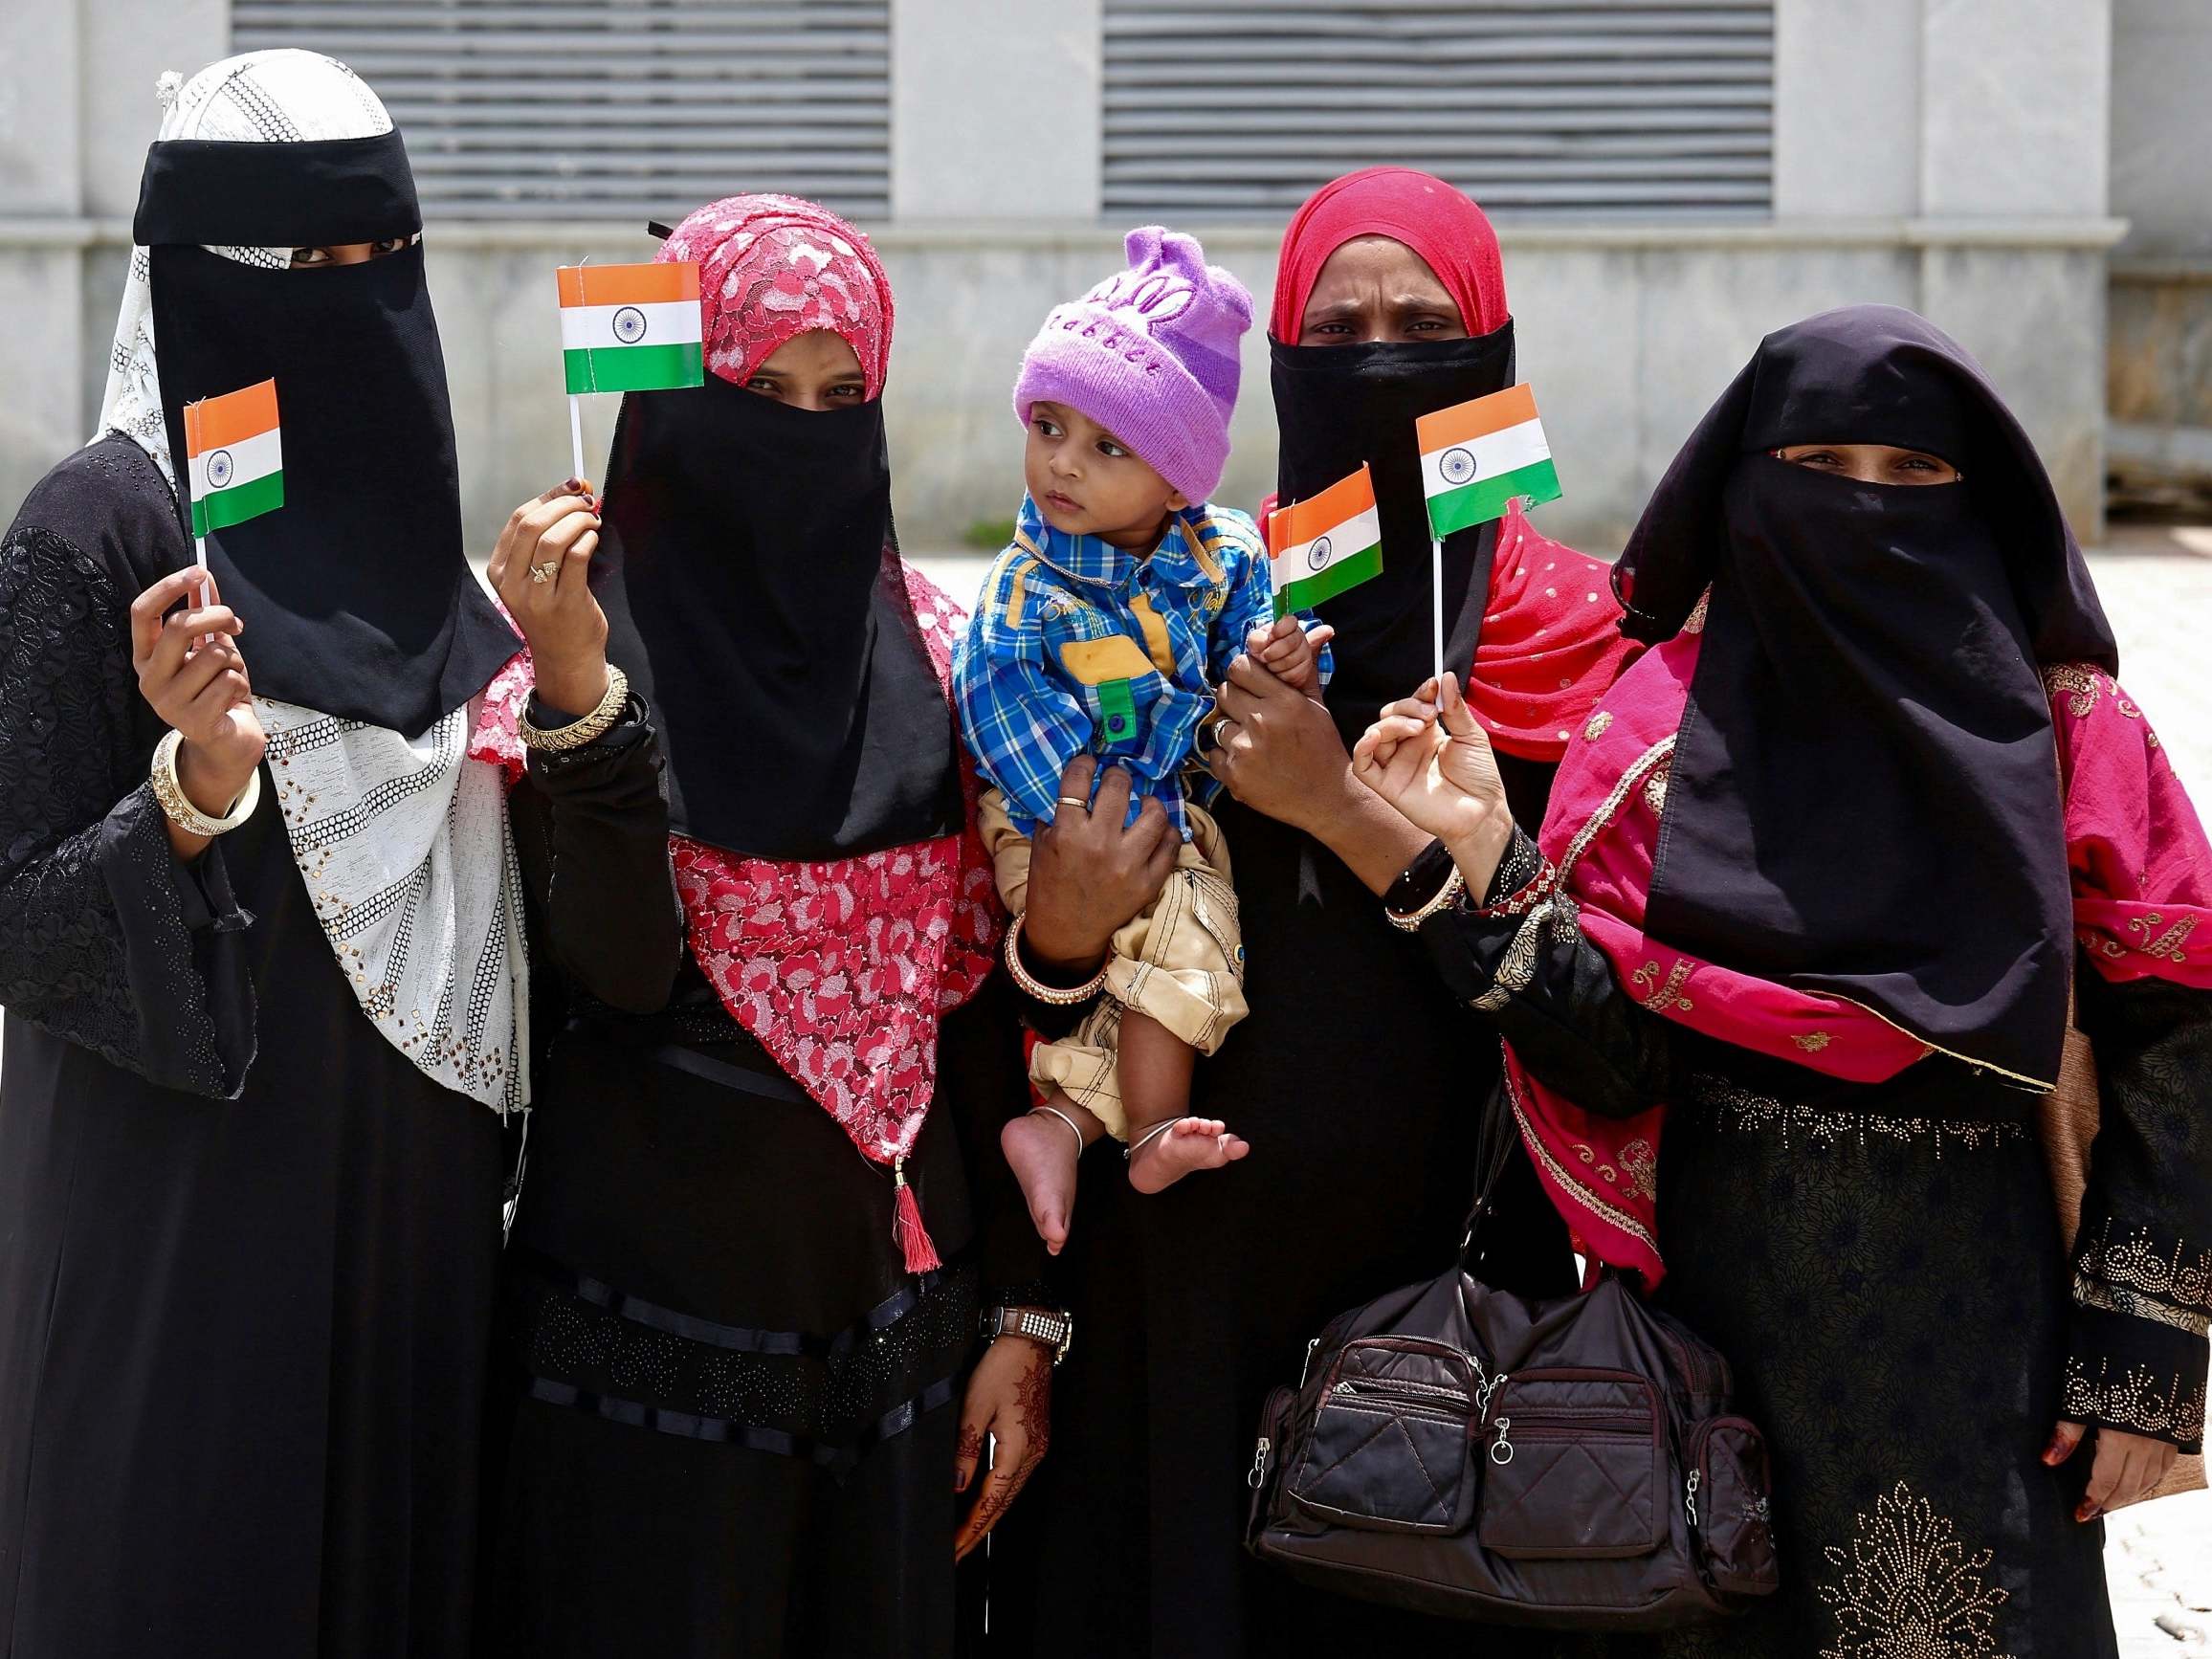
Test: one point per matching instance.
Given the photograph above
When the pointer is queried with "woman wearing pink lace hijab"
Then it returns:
(754, 1252)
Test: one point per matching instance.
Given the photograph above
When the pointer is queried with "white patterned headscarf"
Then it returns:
(401, 839)
(255, 98)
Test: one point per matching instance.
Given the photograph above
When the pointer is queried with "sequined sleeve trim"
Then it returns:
(1524, 876)
(2137, 1397)
(2144, 1277)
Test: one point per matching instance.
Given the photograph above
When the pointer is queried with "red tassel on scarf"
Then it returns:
(913, 1239)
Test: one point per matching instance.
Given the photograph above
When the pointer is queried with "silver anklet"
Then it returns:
(1148, 1138)
(1072, 1129)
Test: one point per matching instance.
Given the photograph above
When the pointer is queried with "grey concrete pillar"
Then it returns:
(1847, 109)
(995, 110)
(2015, 113)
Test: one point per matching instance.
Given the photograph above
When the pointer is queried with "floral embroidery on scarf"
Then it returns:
(1907, 1589)
(1666, 996)
(2077, 679)
(1812, 1042)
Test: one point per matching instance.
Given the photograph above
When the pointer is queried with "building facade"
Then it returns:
(1671, 179)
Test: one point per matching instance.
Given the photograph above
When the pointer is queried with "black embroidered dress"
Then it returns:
(247, 1249)
(1881, 1264)
(731, 1414)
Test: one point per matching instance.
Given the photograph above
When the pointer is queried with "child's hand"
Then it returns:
(1292, 652)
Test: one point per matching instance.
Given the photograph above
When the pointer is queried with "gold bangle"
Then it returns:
(1055, 996)
(576, 733)
(178, 806)
(1453, 886)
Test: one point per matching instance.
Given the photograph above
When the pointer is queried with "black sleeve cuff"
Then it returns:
(2138, 1374)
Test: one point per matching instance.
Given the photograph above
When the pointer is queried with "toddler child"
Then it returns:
(1102, 629)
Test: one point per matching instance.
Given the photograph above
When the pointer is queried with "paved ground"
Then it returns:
(2156, 585)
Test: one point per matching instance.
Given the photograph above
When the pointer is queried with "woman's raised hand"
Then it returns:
(191, 672)
(541, 571)
(1274, 749)
(1429, 758)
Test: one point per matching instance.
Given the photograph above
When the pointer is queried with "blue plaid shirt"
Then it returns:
(1078, 647)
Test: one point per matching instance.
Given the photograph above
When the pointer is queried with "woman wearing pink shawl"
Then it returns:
(1817, 881)
(761, 1263)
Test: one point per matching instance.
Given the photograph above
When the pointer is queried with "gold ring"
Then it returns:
(1074, 801)
(546, 571)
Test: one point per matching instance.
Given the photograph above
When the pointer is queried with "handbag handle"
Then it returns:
(1492, 1145)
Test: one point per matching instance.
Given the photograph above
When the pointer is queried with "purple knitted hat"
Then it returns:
(1151, 355)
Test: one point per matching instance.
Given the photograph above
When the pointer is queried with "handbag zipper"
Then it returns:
(1393, 1388)
(1259, 1468)
(1688, 1494)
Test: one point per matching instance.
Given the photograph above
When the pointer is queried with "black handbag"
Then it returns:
(1568, 1463)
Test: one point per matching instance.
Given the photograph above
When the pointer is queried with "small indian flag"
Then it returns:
(237, 463)
(1325, 543)
(1476, 458)
(632, 327)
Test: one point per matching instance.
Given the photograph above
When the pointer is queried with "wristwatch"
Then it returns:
(1043, 1326)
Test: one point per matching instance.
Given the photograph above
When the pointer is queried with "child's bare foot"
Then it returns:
(1186, 1144)
(1044, 1154)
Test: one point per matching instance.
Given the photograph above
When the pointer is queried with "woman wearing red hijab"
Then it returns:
(1364, 1078)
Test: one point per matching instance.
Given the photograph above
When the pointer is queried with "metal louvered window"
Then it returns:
(1586, 108)
(615, 109)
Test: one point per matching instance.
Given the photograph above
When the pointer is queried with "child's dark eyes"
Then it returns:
(1108, 447)
(1049, 428)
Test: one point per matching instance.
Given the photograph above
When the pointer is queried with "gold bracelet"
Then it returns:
(1453, 886)
(576, 733)
(1055, 996)
(178, 806)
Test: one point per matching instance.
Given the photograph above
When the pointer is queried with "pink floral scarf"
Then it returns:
(2142, 886)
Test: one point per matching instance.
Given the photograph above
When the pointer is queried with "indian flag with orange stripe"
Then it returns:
(237, 462)
(633, 327)
(1476, 456)
(1325, 543)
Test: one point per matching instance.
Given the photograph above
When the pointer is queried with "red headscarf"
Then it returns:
(1447, 230)
(773, 267)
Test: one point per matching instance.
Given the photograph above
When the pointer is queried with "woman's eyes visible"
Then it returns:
(762, 384)
(1916, 464)
(390, 245)
(851, 391)
(311, 255)
(1819, 458)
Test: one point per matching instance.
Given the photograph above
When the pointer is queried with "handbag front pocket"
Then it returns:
(1576, 1468)
(1391, 1447)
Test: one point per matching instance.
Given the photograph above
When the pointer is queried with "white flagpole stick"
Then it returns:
(1436, 598)
(201, 593)
(575, 400)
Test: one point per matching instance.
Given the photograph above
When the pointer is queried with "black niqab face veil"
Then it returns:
(357, 592)
(1338, 406)
(1864, 795)
(753, 595)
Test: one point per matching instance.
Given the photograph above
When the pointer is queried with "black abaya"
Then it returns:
(1360, 1083)
(732, 1411)
(244, 1297)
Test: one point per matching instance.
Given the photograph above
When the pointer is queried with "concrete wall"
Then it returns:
(1936, 153)
(2159, 383)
